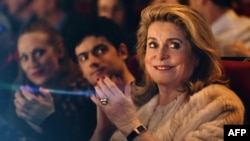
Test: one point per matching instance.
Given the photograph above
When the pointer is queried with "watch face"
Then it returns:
(141, 128)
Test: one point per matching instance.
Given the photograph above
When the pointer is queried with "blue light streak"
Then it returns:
(53, 91)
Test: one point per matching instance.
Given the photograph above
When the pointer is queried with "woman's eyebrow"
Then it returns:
(172, 39)
(151, 38)
(169, 39)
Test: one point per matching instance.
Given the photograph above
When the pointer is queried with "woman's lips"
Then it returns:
(163, 67)
(37, 73)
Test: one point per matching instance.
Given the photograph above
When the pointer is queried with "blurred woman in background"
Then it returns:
(46, 114)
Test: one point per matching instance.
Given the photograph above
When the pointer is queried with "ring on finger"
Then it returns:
(104, 101)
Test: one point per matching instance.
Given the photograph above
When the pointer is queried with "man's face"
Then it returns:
(198, 5)
(13, 5)
(42, 8)
(97, 57)
(112, 9)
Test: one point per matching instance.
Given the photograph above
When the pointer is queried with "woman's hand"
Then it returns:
(33, 108)
(119, 108)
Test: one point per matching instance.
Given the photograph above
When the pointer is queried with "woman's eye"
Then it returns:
(39, 53)
(152, 45)
(174, 45)
(23, 58)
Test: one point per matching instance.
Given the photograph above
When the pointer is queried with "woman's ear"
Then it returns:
(123, 51)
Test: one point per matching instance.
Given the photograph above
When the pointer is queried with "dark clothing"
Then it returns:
(74, 120)
(78, 123)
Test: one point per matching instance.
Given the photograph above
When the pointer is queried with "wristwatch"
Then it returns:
(137, 131)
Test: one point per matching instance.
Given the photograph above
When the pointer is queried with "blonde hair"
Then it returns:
(197, 31)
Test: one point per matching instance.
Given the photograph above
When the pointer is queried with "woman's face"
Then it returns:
(38, 59)
(169, 59)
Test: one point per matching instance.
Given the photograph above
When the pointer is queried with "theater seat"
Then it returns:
(238, 73)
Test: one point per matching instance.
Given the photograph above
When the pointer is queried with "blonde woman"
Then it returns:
(184, 95)
(54, 112)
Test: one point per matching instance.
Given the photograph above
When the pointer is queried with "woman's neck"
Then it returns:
(168, 94)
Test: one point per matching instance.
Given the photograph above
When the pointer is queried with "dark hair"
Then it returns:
(185, 2)
(96, 26)
(65, 5)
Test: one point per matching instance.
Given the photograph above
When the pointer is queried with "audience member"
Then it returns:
(184, 96)
(54, 113)
(121, 12)
(100, 51)
(242, 7)
(231, 31)
(53, 11)
(169, 1)
(13, 13)
(7, 48)
(84, 6)
(164, 1)
(59, 13)
(18, 12)
(8, 67)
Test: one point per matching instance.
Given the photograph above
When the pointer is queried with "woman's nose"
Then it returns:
(33, 63)
(163, 53)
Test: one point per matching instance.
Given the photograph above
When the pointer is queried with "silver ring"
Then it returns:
(104, 101)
